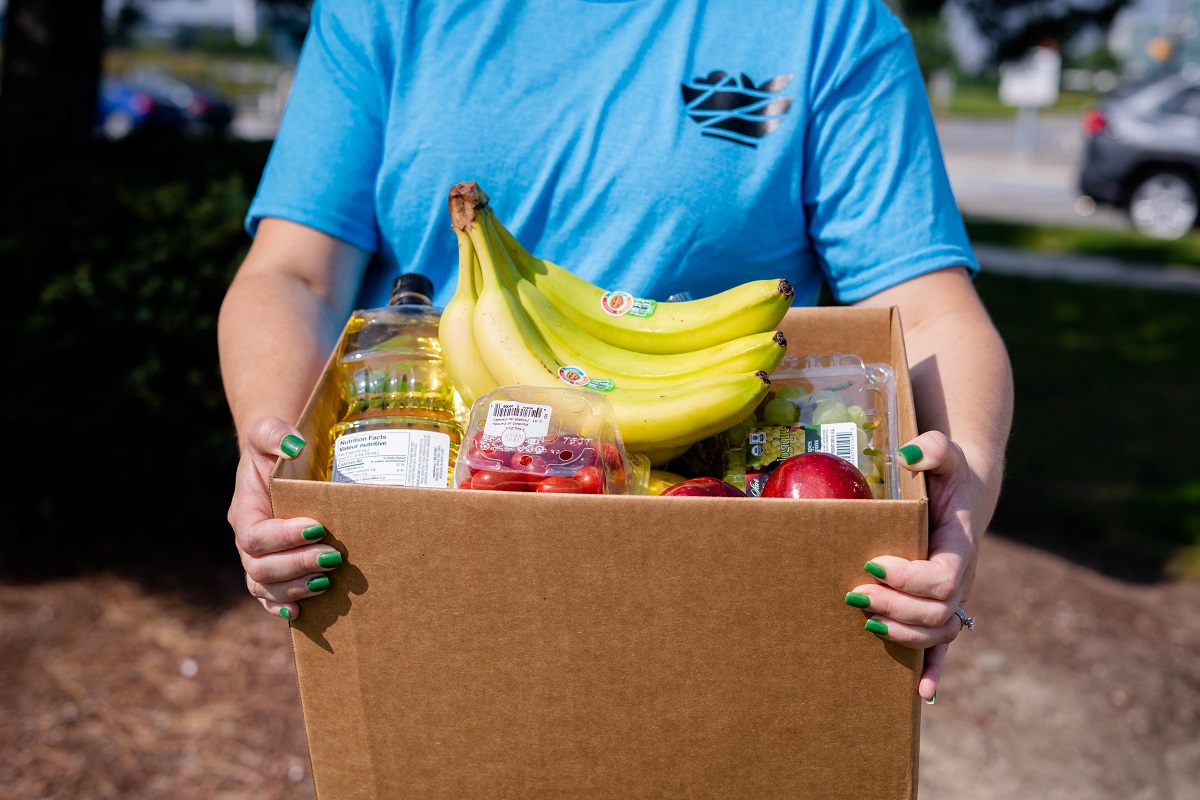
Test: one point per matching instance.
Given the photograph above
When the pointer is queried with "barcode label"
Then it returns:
(508, 418)
(841, 439)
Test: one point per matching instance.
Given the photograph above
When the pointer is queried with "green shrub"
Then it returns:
(117, 257)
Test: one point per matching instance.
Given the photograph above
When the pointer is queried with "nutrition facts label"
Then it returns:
(393, 458)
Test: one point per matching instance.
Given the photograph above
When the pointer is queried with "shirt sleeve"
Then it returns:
(877, 199)
(322, 168)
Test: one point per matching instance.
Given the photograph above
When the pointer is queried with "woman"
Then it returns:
(654, 147)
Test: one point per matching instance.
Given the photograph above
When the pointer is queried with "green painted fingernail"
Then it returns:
(911, 453)
(292, 445)
(313, 532)
(331, 559)
(875, 626)
(931, 700)
(858, 600)
(875, 569)
(318, 584)
(283, 612)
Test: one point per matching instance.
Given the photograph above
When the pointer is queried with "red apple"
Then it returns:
(817, 475)
(706, 487)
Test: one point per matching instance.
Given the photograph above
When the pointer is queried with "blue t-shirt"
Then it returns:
(650, 146)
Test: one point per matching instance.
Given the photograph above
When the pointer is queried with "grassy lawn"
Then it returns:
(1122, 245)
(1101, 459)
(981, 98)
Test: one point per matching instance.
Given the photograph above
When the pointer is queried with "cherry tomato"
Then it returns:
(531, 467)
(612, 456)
(590, 480)
(500, 480)
(559, 484)
(484, 456)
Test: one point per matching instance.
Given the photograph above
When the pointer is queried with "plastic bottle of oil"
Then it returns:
(401, 425)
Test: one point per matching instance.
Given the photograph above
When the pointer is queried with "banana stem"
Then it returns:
(466, 201)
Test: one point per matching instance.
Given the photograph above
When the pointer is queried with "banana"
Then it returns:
(672, 414)
(751, 307)
(456, 329)
(680, 414)
(508, 342)
(574, 346)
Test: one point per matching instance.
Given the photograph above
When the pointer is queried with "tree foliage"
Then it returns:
(1008, 29)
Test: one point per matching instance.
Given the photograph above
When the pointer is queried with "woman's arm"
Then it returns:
(280, 318)
(963, 390)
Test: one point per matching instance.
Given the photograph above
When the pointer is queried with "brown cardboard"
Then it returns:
(497, 645)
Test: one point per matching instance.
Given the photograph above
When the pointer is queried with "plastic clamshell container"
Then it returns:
(518, 437)
(841, 405)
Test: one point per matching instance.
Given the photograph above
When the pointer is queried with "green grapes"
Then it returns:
(829, 411)
(857, 415)
(789, 392)
(782, 412)
(736, 436)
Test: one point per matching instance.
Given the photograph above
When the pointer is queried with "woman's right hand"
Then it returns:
(284, 559)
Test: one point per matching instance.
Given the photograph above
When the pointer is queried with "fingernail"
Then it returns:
(875, 569)
(910, 453)
(318, 584)
(331, 559)
(283, 612)
(931, 700)
(858, 600)
(313, 532)
(874, 626)
(291, 445)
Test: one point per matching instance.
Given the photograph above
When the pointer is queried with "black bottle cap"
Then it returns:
(411, 287)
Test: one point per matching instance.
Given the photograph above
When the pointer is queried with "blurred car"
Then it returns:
(1143, 153)
(125, 108)
(146, 100)
(205, 110)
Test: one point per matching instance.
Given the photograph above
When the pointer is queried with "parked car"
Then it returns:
(206, 111)
(153, 100)
(125, 108)
(1143, 153)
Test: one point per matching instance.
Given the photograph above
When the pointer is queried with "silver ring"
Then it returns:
(967, 622)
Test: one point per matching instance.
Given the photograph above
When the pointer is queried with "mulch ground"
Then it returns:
(1073, 686)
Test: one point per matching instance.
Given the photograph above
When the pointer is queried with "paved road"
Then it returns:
(992, 179)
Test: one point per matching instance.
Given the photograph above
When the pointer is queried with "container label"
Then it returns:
(514, 422)
(402, 457)
(618, 304)
(767, 447)
(837, 438)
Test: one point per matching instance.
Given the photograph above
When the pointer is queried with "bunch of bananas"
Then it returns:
(674, 373)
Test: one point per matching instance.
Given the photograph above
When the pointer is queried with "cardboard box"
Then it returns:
(512, 645)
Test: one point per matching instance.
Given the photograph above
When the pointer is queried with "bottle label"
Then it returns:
(393, 458)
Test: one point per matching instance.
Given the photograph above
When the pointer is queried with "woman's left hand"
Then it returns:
(913, 603)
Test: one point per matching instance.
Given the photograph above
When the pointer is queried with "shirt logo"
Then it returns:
(734, 109)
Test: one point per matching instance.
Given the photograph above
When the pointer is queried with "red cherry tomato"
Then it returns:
(612, 456)
(500, 480)
(531, 467)
(590, 480)
(484, 456)
(559, 484)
